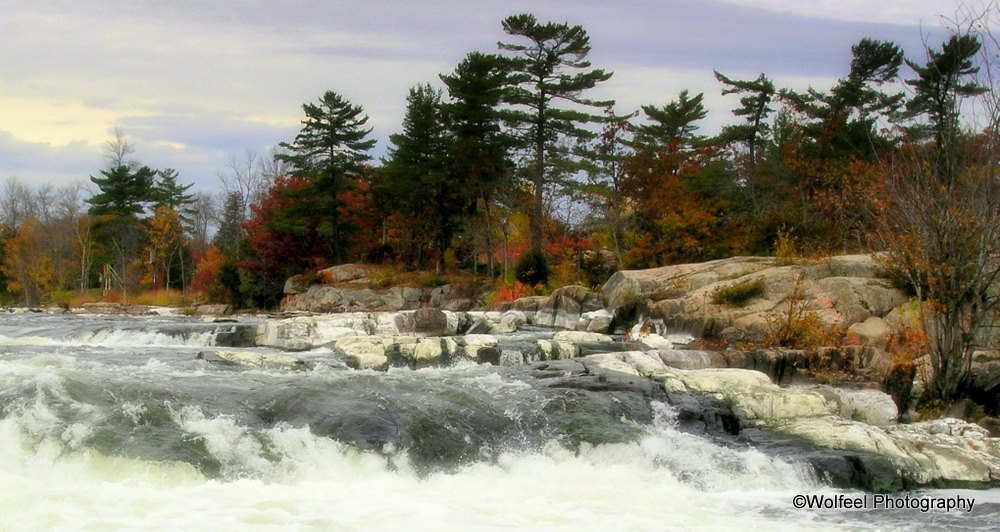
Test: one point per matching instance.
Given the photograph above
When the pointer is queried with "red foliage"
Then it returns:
(284, 243)
(359, 210)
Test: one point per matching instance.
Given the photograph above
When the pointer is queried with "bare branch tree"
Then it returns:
(117, 149)
(939, 216)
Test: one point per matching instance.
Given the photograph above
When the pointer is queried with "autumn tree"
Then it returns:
(548, 75)
(28, 263)
(330, 148)
(166, 246)
(940, 215)
(673, 182)
(829, 167)
(282, 242)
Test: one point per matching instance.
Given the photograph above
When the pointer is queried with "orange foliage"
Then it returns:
(675, 223)
(208, 264)
(508, 293)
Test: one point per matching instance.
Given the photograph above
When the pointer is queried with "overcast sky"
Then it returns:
(194, 83)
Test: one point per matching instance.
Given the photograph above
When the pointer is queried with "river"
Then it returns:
(113, 423)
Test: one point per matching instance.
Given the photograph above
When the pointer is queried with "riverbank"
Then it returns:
(642, 324)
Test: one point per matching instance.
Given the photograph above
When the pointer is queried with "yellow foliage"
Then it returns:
(28, 263)
(797, 328)
(787, 248)
(162, 298)
(912, 340)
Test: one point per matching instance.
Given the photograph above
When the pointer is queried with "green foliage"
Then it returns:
(672, 126)
(124, 190)
(755, 101)
(738, 294)
(533, 268)
(940, 87)
(420, 183)
(227, 286)
(167, 192)
(330, 146)
(548, 76)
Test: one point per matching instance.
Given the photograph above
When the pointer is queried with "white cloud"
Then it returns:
(907, 12)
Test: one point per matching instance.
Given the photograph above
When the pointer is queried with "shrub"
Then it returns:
(787, 248)
(533, 268)
(383, 278)
(433, 281)
(508, 293)
(797, 328)
(164, 297)
(738, 294)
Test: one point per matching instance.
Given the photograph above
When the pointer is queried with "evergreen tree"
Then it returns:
(479, 145)
(229, 236)
(843, 122)
(167, 192)
(755, 101)
(327, 151)
(418, 168)
(940, 87)
(547, 73)
(124, 191)
(671, 128)
(480, 148)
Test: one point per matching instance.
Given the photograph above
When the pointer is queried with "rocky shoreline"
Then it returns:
(637, 336)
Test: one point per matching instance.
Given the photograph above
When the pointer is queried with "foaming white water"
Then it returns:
(286, 478)
(120, 337)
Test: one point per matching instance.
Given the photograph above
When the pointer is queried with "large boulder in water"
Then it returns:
(253, 359)
(564, 307)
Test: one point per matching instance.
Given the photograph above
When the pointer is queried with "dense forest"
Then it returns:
(505, 168)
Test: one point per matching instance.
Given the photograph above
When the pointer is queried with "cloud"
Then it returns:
(195, 82)
(35, 162)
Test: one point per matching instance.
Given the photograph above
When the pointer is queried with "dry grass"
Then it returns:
(162, 298)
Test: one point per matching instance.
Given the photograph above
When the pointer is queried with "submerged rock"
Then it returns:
(253, 359)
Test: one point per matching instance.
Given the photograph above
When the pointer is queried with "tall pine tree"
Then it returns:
(418, 170)
(548, 76)
(327, 151)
